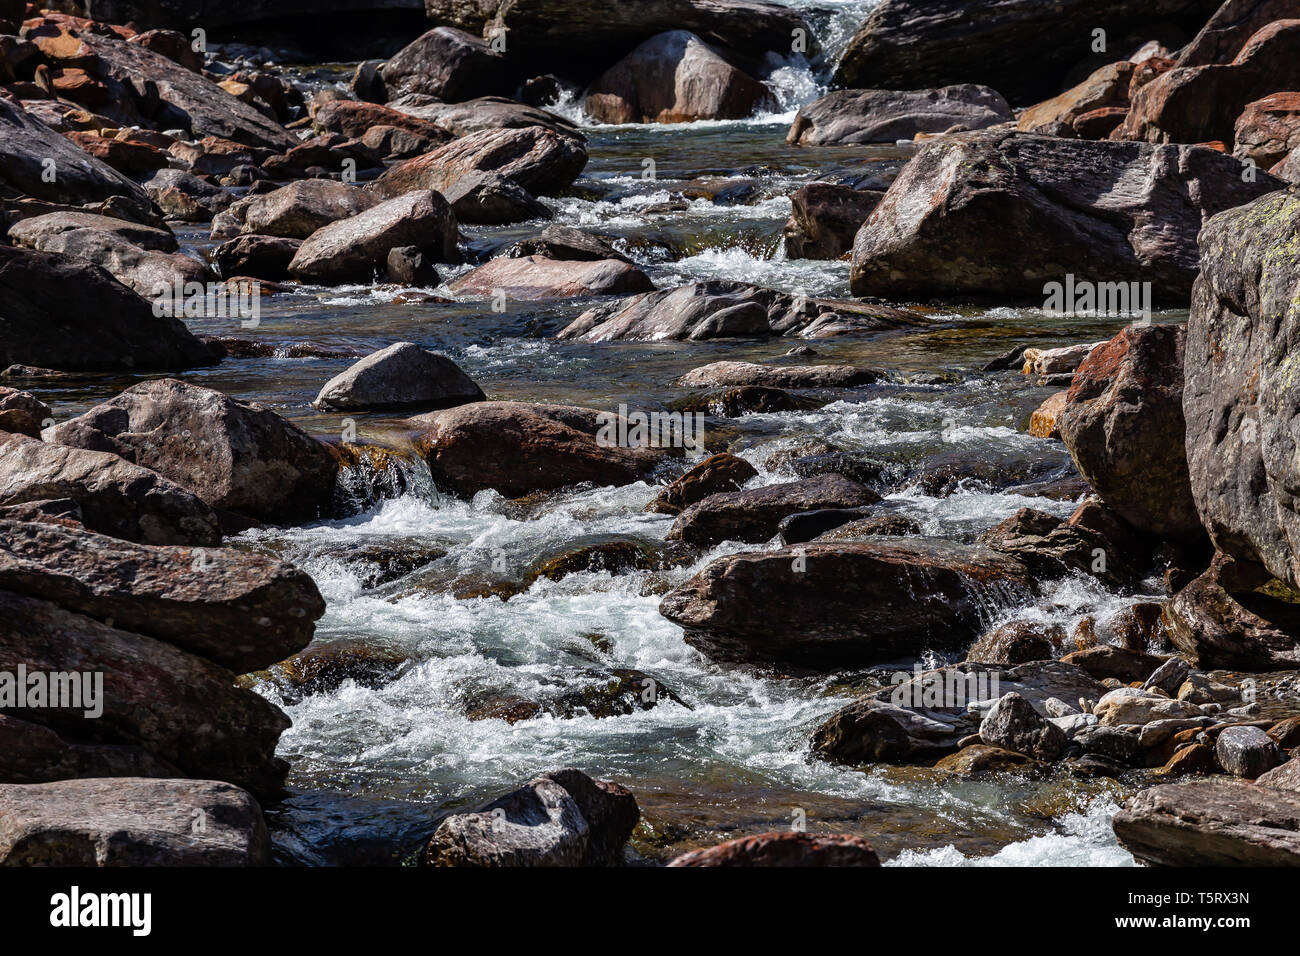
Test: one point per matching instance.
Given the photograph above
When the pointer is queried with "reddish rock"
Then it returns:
(1196, 104)
(174, 45)
(785, 849)
(538, 159)
(129, 158)
(531, 278)
(1268, 129)
(357, 119)
(1123, 425)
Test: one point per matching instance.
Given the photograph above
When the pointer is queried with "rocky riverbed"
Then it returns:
(728, 433)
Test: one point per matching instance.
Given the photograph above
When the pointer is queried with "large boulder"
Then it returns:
(299, 209)
(1239, 400)
(856, 117)
(907, 44)
(752, 515)
(238, 457)
(255, 257)
(131, 822)
(1200, 104)
(356, 249)
(538, 159)
(1123, 424)
(177, 706)
(147, 88)
(1212, 823)
(532, 278)
(140, 257)
(242, 611)
(585, 36)
(1107, 212)
(562, 818)
(448, 64)
(114, 496)
(845, 604)
(30, 151)
(403, 375)
(674, 77)
(517, 448)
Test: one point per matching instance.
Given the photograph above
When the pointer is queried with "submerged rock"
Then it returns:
(785, 849)
(845, 604)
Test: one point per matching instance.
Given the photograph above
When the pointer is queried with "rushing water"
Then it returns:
(373, 767)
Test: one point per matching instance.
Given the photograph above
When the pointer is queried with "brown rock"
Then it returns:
(785, 849)
(674, 77)
(517, 448)
(715, 474)
(533, 278)
(238, 457)
(1123, 425)
(538, 159)
(242, 611)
